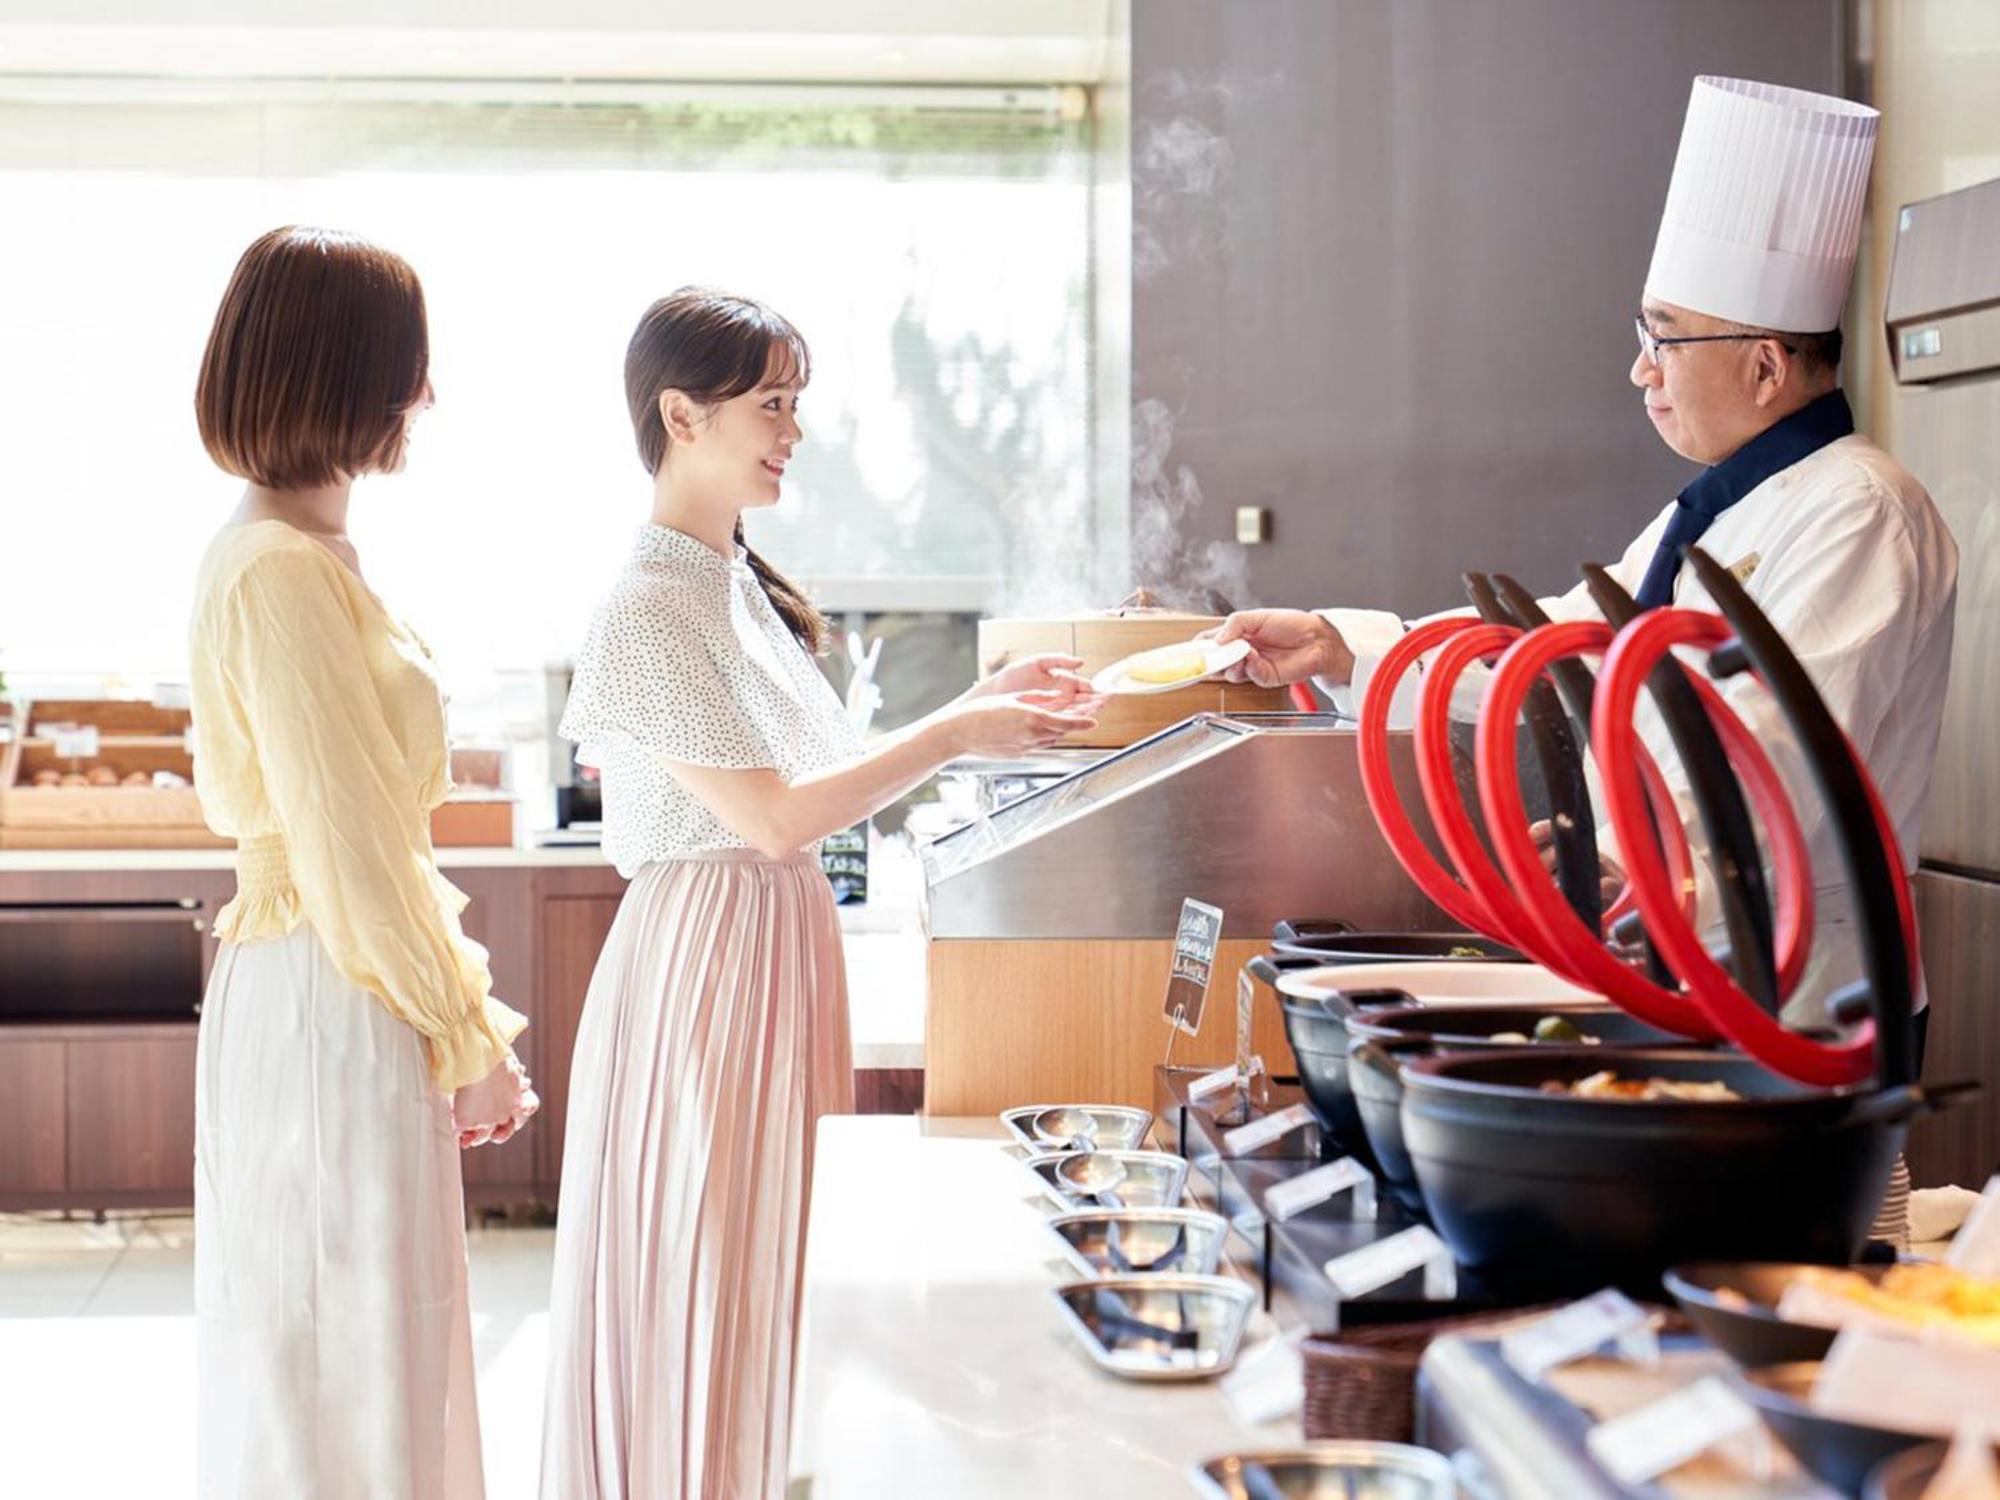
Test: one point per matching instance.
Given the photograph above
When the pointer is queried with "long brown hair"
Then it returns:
(715, 347)
(318, 351)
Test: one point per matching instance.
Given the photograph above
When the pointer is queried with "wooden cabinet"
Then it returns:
(99, 1113)
(500, 919)
(130, 1114)
(33, 1118)
(570, 935)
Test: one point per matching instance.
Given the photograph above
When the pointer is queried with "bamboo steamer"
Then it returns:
(1102, 637)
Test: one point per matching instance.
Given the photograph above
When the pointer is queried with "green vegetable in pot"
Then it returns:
(1557, 1029)
(1464, 950)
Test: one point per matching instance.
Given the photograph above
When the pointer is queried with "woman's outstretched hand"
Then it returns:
(490, 1111)
(1017, 723)
(1048, 673)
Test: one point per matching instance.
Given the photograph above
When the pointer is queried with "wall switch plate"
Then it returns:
(1253, 524)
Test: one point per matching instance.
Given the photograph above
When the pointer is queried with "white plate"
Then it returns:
(1218, 658)
(1463, 982)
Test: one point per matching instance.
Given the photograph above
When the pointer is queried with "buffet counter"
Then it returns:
(932, 1360)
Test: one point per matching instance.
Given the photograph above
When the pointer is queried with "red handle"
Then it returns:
(1379, 783)
(1507, 822)
(1615, 744)
(1461, 840)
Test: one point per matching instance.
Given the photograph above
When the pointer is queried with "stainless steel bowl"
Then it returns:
(1142, 1241)
(1119, 1128)
(1159, 1327)
(1153, 1179)
(1330, 1471)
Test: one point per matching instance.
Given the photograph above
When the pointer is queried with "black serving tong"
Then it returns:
(1718, 800)
(1577, 686)
(1572, 822)
(1863, 851)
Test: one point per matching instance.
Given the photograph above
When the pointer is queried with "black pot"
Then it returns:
(1314, 941)
(1317, 1031)
(1543, 1191)
(1380, 1041)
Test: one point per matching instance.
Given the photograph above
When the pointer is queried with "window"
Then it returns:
(932, 244)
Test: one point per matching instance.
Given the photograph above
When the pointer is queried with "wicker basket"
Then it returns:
(1362, 1382)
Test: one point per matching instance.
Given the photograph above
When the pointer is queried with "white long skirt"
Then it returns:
(333, 1332)
(713, 1036)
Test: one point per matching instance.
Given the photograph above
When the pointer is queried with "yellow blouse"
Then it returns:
(320, 748)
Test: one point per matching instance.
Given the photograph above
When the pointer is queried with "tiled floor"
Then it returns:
(97, 1357)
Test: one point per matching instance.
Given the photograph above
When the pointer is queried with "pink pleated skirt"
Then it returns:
(713, 1037)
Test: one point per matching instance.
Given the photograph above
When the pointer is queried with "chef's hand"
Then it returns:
(1611, 874)
(1286, 646)
(1048, 673)
(490, 1111)
(1016, 723)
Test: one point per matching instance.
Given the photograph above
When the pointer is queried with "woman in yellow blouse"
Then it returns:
(349, 1045)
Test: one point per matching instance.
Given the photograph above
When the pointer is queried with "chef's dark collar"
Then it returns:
(1787, 440)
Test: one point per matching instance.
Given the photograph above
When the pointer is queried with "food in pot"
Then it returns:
(1915, 1296)
(1605, 1084)
(1549, 1029)
(1560, 1029)
(1167, 664)
(1464, 950)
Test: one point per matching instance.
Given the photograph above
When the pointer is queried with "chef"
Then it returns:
(1739, 371)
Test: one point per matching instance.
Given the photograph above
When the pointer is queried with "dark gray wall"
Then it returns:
(1401, 314)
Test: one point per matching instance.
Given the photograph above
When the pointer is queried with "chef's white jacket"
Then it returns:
(1846, 554)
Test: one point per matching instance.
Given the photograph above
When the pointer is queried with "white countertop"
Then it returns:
(933, 1362)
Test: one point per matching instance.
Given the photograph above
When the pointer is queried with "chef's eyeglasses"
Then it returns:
(1650, 343)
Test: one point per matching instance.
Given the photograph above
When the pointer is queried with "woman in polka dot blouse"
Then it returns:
(715, 1030)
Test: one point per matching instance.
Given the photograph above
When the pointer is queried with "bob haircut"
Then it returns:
(319, 350)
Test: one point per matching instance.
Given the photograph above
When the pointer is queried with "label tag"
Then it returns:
(1568, 1334)
(1373, 1267)
(1268, 1383)
(74, 742)
(1975, 1249)
(1195, 941)
(1284, 1200)
(1247, 1138)
(1640, 1446)
(1212, 1083)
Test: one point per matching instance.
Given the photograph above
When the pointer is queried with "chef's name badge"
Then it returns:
(1744, 566)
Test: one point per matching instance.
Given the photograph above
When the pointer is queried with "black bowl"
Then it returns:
(1390, 947)
(1755, 1335)
(1840, 1453)
(1473, 1027)
(1317, 1030)
(1544, 1191)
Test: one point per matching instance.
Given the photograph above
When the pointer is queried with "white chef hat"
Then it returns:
(1763, 217)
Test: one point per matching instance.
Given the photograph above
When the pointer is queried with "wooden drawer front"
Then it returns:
(573, 930)
(130, 1113)
(31, 1116)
